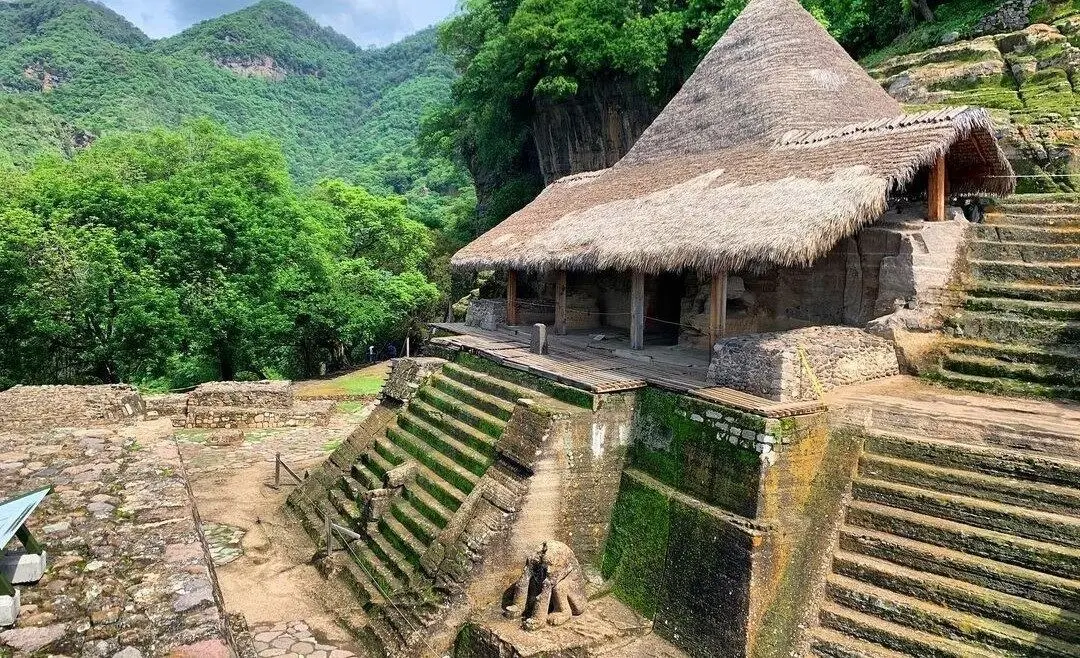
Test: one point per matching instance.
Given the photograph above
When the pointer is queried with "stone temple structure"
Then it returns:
(677, 442)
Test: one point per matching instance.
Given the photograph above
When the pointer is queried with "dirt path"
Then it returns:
(266, 572)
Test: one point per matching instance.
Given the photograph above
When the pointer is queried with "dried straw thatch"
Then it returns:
(777, 148)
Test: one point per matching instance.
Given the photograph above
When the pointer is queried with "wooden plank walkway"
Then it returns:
(573, 363)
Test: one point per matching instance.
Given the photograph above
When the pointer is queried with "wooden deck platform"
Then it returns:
(609, 366)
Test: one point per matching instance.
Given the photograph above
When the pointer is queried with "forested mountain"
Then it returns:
(72, 70)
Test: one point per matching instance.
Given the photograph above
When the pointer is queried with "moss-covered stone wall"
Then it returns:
(723, 522)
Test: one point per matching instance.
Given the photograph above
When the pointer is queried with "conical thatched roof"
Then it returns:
(776, 148)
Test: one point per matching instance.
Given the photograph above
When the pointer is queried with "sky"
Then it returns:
(367, 22)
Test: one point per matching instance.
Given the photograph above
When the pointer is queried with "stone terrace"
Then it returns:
(128, 573)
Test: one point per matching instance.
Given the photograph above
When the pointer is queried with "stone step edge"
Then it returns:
(905, 634)
(975, 478)
(958, 591)
(1002, 634)
(977, 566)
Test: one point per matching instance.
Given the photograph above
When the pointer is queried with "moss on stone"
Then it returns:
(561, 392)
(677, 441)
(637, 546)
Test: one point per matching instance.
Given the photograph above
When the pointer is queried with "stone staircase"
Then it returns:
(1020, 328)
(445, 439)
(955, 550)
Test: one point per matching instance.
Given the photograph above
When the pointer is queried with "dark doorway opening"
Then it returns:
(663, 308)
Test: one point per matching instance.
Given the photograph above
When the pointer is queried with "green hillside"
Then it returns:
(72, 70)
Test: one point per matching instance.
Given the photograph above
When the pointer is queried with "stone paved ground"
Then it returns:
(298, 445)
(128, 576)
(292, 640)
(224, 542)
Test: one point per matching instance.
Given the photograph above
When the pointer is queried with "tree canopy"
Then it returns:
(173, 257)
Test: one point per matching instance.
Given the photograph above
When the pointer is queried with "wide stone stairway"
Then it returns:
(1021, 321)
(955, 549)
(420, 471)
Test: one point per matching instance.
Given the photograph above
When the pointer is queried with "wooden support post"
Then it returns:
(511, 298)
(560, 303)
(637, 310)
(718, 308)
(936, 191)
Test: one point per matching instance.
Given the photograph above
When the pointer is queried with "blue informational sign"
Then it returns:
(15, 511)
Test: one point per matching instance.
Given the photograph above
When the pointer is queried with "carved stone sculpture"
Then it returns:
(551, 589)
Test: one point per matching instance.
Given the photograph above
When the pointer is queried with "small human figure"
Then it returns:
(391, 351)
(371, 354)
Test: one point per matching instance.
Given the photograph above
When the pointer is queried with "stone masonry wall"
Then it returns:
(723, 524)
(801, 364)
(263, 394)
(39, 407)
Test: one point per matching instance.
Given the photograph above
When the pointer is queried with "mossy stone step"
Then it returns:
(483, 428)
(1047, 273)
(999, 368)
(1055, 559)
(970, 629)
(427, 480)
(376, 463)
(1033, 495)
(959, 596)
(364, 475)
(493, 386)
(401, 539)
(1021, 582)
(390, 455)
(375, 565)
(1058, 357)
(346, 507)
(352, 487)
(1032, 291)
(1029, 234)
(444, 467)
(1003, 387)
(1036, 216)
(475, 444)
(896, 637)
(474, 397)
(414, 521)
(834, 644)
(391, 556)
(438, 431)
(1028, 308)
(361, 584)
(991, 460)
(1028, 252)
(1017, 329)
(438, 513)
(1019, 521)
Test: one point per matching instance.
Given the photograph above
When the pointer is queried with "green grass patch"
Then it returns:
(349, 407)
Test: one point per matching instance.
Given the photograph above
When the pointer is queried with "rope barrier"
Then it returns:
(814, 383)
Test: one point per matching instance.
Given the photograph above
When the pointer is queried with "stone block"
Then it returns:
(406, 376)
(22, 568)
(539, 340)
(9, 609)
(486, 313)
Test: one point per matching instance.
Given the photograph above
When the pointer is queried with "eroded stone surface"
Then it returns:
(292, 640)
(224, 541)
(128, 575)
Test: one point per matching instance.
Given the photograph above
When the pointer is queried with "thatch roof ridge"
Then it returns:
(775, 69)
(733, 176)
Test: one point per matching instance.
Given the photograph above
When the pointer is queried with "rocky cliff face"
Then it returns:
(1027, 77)
(591, 131)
